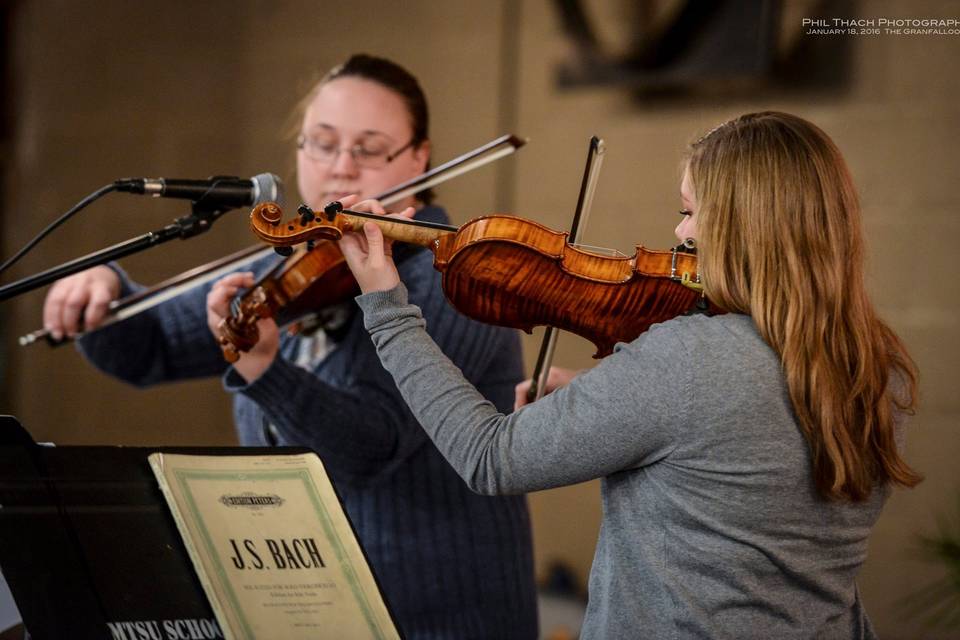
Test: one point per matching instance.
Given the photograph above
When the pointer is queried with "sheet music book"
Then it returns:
(272, 547)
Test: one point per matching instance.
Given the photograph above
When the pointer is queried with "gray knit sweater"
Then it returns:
(712, 527)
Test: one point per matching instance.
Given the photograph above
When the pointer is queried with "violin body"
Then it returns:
(319, 279)
(517, 273)
(311, 280)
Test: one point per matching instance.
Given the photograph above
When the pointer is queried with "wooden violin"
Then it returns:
(517, 273)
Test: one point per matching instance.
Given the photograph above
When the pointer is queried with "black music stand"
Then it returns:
(88, 545)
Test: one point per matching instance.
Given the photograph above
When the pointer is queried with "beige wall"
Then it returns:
(110, 89)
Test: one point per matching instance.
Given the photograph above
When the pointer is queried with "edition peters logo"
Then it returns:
(251, 500)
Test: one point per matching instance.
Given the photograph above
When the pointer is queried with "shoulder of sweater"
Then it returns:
(727, 323)
(701, 335)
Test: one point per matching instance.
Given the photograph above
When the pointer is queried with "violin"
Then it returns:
(318, 277)
(514, 272)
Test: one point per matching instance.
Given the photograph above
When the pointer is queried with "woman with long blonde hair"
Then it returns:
(780, 240)
(746, 456)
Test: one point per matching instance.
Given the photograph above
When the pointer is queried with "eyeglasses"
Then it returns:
(370, 154)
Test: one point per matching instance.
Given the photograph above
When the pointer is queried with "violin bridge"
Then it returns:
(684, 278)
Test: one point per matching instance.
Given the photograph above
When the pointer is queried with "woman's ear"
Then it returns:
(422, 154)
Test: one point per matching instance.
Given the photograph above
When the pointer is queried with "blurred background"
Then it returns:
(100, 90)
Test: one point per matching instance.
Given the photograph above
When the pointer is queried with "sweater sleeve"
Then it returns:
(624, 413)
(363, 428)
(168, 342)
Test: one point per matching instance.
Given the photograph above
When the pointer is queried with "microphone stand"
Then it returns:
(201, 218)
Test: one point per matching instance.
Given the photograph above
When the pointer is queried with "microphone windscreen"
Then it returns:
(269, 188)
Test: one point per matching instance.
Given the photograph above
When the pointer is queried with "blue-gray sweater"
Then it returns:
(452, 564)
(712, 526)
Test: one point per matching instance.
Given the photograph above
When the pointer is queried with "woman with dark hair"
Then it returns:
(452, 564)
(746, 456)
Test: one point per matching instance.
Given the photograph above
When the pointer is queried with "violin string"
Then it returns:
(412, 223)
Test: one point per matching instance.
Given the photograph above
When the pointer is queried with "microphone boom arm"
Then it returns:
(200, 220)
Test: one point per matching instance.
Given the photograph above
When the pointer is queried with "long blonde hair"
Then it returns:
(779, 238)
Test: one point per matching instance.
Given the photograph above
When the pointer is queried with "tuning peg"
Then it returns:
(332, 209)
(306, 215)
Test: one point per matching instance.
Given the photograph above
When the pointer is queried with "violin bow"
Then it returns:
(173, 287)
(591, 173)
(485, 154)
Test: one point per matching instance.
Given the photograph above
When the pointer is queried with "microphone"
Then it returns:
(223, 192)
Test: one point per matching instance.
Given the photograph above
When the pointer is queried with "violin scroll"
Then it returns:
(238, 331)
(266, 220)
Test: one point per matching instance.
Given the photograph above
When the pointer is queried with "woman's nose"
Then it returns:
(344, 164)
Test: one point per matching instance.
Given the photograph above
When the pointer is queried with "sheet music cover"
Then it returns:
(272, 546)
